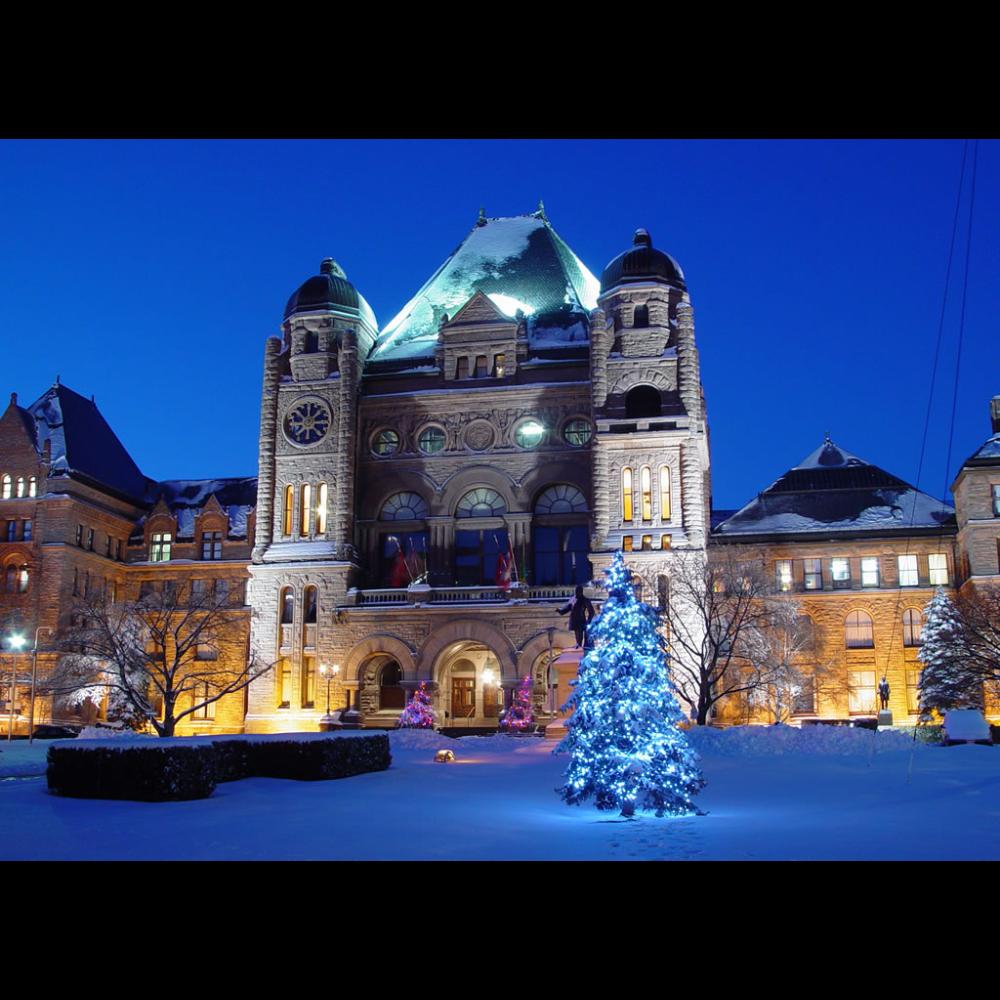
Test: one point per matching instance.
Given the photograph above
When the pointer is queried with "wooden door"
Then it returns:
(463, 697)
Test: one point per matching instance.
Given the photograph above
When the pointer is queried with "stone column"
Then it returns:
(268, 432)
(346, 442)
(688, 365)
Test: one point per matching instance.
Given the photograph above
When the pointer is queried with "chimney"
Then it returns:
(995, 414)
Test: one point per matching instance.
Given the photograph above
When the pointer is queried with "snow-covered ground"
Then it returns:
(772, 793)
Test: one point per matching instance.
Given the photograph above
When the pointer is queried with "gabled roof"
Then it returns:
(81, 442)
(186, 499)
(834, 492)
(518, 263)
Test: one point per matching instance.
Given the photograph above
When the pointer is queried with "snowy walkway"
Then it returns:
(765, 799)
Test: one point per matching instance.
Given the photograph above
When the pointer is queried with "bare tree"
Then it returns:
(731, 634)
(978, 638)
(158, 660)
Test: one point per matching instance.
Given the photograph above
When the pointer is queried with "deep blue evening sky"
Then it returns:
(150, 274)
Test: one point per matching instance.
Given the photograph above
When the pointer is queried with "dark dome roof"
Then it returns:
(642, 263)
(326, 290)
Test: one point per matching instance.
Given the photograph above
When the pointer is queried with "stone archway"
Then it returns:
(533, 659)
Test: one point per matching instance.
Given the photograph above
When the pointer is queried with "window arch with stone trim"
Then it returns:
(405, 506)
(560, 536)
(481, 502)
(913, 623)
(643, 401)
(859, 630)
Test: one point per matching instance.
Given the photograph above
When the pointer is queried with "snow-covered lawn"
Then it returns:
(772, 793)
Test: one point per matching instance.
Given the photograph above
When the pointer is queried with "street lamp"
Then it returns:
(34, 677)
(15, 641)
(329, 673)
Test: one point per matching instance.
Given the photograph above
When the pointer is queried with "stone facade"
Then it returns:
(429, 494)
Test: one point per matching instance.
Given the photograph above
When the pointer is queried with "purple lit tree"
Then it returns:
(418, 714)
(519, 717)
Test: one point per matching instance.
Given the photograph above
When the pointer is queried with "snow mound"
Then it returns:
(768, 741)
(100, 733)
(428, 740)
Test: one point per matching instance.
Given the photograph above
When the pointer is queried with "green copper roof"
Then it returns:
(519, 263)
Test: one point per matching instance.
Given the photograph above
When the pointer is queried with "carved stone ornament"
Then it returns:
(479, 435)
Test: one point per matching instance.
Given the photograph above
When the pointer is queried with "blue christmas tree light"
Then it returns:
(626, 750)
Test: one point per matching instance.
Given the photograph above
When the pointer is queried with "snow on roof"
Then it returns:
(989, 452)
(186, 499)
(832, 490)
(519, 263)
(829, 456)
(80, 441)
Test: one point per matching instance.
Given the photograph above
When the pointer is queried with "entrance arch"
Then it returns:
(469, 687)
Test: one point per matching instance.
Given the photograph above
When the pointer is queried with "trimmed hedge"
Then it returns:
(173, 771)
(140, 773)
(308, 760)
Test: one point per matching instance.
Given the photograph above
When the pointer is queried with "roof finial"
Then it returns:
(481, 221)
(13, 399)
(56, 381)
(540, 212)
(826, 438)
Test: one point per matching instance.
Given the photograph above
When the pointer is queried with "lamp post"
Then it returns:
(34, 678)
(329, 673)
(15, 641)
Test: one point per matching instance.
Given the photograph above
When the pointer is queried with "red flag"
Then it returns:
(399, 575)
(505, 566)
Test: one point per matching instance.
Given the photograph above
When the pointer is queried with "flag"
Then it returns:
(506, 571)
(415, 563)
(399, 574)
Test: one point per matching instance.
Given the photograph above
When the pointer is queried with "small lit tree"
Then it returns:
(158, 660)
(626, 751)
(418, 714)
(518, 716)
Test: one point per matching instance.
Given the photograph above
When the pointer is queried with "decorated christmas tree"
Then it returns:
(418, 714)
(519, 717)
(946, 680)
(627, 752)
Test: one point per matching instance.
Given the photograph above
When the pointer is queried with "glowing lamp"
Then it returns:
(444, 757)
(16, 641)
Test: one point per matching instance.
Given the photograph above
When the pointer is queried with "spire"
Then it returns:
(540, 211)
(481, 221)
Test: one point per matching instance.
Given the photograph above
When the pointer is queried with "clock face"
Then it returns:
(307, 422)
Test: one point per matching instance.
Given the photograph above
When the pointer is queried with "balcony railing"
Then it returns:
(423, 594)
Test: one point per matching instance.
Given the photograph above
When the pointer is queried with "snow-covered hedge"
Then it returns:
(176, 769)
(142, 773)
(766, 741)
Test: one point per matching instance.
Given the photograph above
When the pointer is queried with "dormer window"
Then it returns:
(7, 486)
(480, 371)
(159, 546)
(32, 486)
(996, 499)
(211, 545)
(20, 486)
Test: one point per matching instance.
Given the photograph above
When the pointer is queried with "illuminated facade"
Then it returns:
(430, 492)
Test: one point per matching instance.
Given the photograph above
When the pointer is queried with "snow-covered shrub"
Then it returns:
(131, 770)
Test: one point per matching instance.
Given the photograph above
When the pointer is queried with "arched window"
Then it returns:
(626, 494)
(309, 604)
(404, 507)
(646, 481)
(321, 509)
(912, 625)
(6, 486)
(390, 690)
(286, 605)
(858, 630)
(286, 514)
(22, 580)
(481, 502)
(640, 318)
(20, 486)
(306, 499)
(664, 493)
(561, 499)
(32, 486)
(643, 401)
